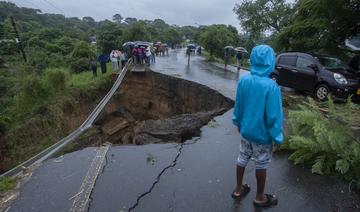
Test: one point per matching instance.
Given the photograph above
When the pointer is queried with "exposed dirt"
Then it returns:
(155, 108)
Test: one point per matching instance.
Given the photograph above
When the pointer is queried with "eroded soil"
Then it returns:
(155, 108)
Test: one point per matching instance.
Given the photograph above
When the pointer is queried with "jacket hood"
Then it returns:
(262, 61)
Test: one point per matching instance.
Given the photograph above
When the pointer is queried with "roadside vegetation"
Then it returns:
(46, 97)
(321, 135)
(7, 184)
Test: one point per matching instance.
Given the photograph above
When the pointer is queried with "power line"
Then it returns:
(33, 4)
(51, 4)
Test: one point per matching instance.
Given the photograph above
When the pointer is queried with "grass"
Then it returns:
(34, 116)
(7, 184)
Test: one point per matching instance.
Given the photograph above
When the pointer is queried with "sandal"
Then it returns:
(271, 200)
(245, 191)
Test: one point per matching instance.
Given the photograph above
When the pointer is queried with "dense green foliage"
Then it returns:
(323, 138)
(37, 97)
(306, 25)
(215, 37)
(257, 17)
(321, 24)
(55, 36)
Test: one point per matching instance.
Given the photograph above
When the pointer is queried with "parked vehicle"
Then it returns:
(317, 74)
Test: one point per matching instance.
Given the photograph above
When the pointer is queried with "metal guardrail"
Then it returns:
(50, 151)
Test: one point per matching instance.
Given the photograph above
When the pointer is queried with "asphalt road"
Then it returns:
(198, 175)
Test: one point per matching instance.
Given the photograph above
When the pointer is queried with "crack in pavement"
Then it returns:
(157, 180)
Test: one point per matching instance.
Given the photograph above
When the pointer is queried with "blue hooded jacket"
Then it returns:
(258, 108)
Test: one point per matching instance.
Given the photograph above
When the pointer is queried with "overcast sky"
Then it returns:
(180, 12)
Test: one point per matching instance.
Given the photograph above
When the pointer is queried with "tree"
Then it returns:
(137, 32)
(171, 36)
(89, 20)
(66, 44)
(259, 16)
(130, 20)
(215, 37)
(82, 50)
(321, 24)
(189, 32)
(117, 18)
(159, 23)
(109, 37)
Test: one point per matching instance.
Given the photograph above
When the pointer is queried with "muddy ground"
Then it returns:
(154, 108)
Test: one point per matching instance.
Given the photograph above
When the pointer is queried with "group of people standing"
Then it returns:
(118, 60)
(143, 54)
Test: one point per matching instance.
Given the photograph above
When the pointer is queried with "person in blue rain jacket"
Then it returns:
(258, 116)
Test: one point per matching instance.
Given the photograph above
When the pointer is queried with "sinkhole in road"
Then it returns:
(151, 107)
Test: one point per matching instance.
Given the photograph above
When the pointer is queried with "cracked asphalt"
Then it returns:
(198, 175)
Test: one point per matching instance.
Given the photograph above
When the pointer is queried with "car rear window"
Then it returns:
(288, 60)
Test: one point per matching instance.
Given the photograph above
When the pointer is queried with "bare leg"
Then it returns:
(239, 179)
(260, 178)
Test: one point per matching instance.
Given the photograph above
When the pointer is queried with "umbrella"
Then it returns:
(142, 43)
(128, 44)
(241, 49)
(353, 43)
(191, 46)
(229, 47)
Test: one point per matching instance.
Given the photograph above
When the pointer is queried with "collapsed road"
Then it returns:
(195, 175)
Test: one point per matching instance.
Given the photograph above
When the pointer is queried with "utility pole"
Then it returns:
(18, 40)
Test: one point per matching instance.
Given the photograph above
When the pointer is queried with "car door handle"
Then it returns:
(293, 70)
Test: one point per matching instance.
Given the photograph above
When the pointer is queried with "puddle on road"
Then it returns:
(154, 108)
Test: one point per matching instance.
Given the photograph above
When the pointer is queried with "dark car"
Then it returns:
(316, 74)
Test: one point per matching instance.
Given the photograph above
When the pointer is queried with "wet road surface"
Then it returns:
(196, 176)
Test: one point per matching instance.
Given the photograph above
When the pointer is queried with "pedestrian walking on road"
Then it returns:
(226, 58)
(258, 116)
(239, 58)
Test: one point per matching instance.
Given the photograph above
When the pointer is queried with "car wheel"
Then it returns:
(322, 92)
(275, 78)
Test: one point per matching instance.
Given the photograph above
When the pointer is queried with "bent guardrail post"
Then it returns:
(50, 151)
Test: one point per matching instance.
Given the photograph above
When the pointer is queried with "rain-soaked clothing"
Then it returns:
(258, 108)
(260, 153)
